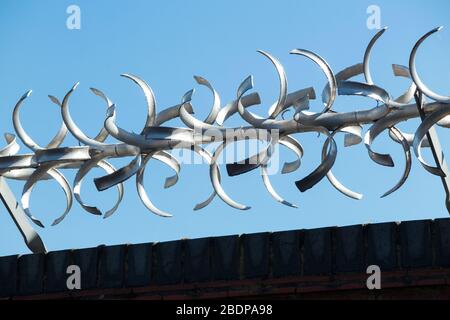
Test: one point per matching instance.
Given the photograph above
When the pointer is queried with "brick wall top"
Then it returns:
(298, 253)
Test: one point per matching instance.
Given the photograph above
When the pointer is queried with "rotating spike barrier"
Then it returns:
(156, 140)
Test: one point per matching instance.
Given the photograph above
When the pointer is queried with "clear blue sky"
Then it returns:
(166, 43)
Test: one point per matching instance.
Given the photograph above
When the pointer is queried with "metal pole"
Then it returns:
(436, 149)
(32, 239)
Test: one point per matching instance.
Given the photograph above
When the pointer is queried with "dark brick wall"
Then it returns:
(331, 251)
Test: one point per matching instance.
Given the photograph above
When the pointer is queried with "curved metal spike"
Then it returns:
(283, 84)
(323, 65)
(371, 134)
(25, 138)
(398, 134)
(333, 180)
(171, 113)
(232, 107)
(354, 88)
(149, 98)
(103, 134)
(293, 98)
(421, 131)
(254, 120)
(366, 60)
(187, 117)
(265, 176)
(292, 144)
(31, 182)
(256, 160)
(118, 176)
(73, 128)
(215, 180)
(62, 132)
(97, 161)
(321, 171)
(353, 135)
(271, 190)
(12, 146)
(415, 76)
(141, 190)
(207, 156)
(409, 137)
(206, 202)
(169, 160)
(249, 164)
(398, 71)
(344, 74)
(408, 95)
(215, 108)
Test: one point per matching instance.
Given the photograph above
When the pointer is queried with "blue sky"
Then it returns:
(166, 43)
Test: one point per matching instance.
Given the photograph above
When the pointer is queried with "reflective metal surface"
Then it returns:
(156, 141)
